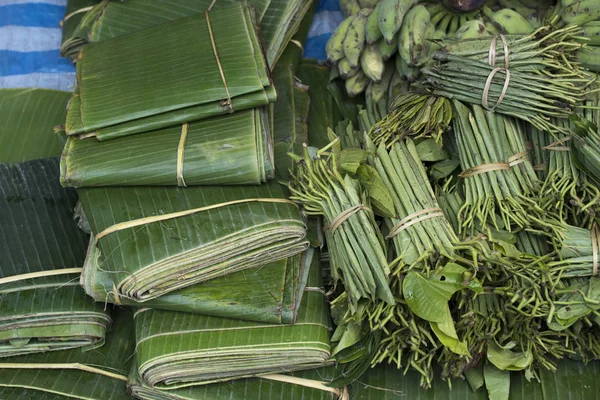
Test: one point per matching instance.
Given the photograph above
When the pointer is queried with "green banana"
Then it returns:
(371, 63)
(589, 57)
(508, 21)
(345, 70)
(354, 42)
(591, 30)
(454, 25)
(581, 12)
(368, 3)
(380, 90)
(357, 84)
(474, 29)
(391, 16)
(412, 40)
(373, 33)
(349, 7)
(398, 85)
(405, 70)
(387, 50)
(443, 25)
(334, 47)
(438, 16)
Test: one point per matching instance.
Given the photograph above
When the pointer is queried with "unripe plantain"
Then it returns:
(334, 47)
(349, 7)
(354, 42)
(581, 12)
(373, 33)
(591, 30)
(405, 70)
(357, 84)
(508, 21)
(412, 39)
(472, 30)
(381, 90)
(371, 63)
(589, 57)
(391, 15)
(345, 70)
(368, 3)
(387, 50)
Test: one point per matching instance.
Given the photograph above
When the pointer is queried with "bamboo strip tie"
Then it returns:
(554, 146)
(541, 167)
(488, 82)
(344, 215)
(309, 383)
(595, 246)
(68, 16)
(180, 150)
(483, 168)
(518, 158)
(164, 217)
(228, 102)
(415, 218)
(40, 274)
(76, 366)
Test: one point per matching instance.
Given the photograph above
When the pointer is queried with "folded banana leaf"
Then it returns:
(177, 350)
(28, 116)
(42, 307)
(272, 293)
(99, 374)
(231, 149)
(154, 240)
(321, 111)
(178, 72)
(74, 13)
(110, 19)
(299, 385)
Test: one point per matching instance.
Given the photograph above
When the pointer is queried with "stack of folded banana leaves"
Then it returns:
(278, 20)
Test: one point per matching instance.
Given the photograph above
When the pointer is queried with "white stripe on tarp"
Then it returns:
(29, 38)
(52, 2)
(63, 82)
(325, 22)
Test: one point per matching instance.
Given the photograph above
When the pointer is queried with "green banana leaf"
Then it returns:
(74, 13)
(299, 385)
(161, 81)
(27, 394)
(178, 350)
(223, 230)
(28, 116)
(110, 19)
(99, 374)
(321, 111)
(271, 293)
(226, 150)
(42, 307)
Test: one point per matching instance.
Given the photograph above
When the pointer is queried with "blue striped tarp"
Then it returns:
(30, 38)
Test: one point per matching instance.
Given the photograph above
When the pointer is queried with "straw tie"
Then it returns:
(68, 16)
(518, 158)
(227, 102)
(415, 218)
(344, 215)
(180, 150)
(164, 217)
(555, 146)
(492, 62)
(40, 274)
(483, 168)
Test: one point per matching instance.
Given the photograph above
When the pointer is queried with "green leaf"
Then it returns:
(497, 382)
(442, 169)
(475, 377)
(429, 150)
(506, 359)
(446, 333)
(428, 298)
(379, 194)
(351, 159)
(352, 334)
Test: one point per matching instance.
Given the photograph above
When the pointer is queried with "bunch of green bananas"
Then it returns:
(585, 13)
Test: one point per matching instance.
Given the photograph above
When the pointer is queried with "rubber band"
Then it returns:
(492, 62)
(415, 218)
(483, 168)
(180, 150)
(554, 146)
(344, 215)
(518, 158)
(595, 245)
(227, 102)
(158, 218)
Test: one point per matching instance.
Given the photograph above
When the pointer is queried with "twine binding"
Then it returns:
(483, 168)
(164, 217)
(344, 215)
(505, 70)
(415, 218)
(180, 150)
(227, 102)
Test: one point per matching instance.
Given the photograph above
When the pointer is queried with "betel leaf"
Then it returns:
(352, 159)
(446, 333)
(497, 382)
(351, 335)
(442, 169)
(379, 194)
(506, 359)
(429, 150)
(474, 377)
(458, 275)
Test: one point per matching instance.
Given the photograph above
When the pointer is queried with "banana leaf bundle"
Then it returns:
(272, 292)
(178, 350)
(154, 240)
(24, 138)
(299, 385)
(279, 20)
(74, 13)
(224, 71)
(225, 150)
(99, 374)
(42, 307)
